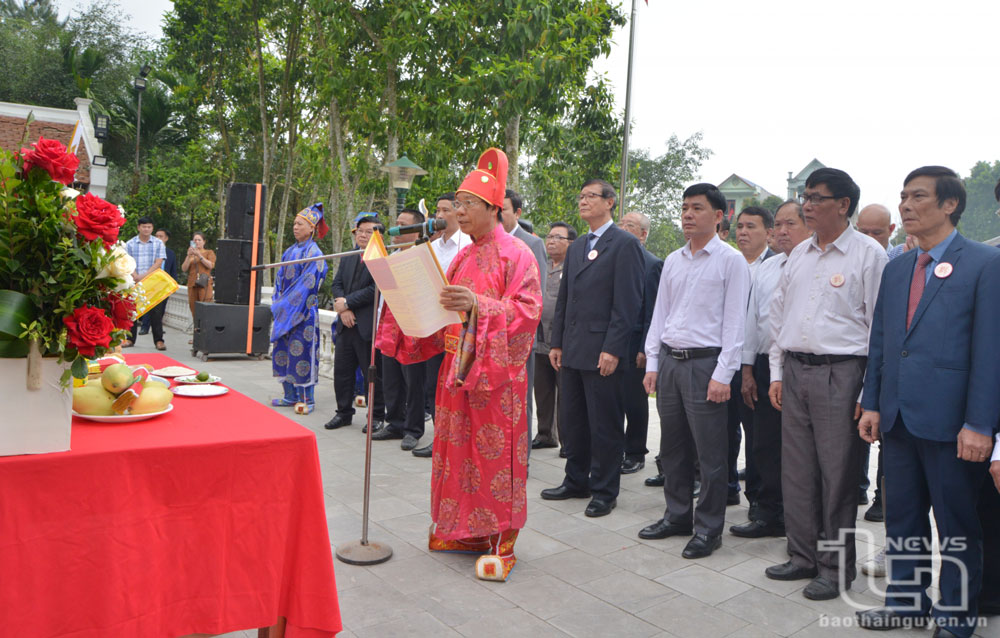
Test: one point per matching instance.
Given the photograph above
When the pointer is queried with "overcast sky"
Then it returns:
(875, 87)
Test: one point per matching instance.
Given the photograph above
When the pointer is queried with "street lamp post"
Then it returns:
(401, 174)
(140, 86)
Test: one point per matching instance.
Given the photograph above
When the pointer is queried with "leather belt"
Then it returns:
(692, 353)
(822, 359)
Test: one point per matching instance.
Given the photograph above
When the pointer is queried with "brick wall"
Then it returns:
(12, 130)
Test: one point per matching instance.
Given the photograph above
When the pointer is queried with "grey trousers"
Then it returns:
(821, 457)
(692, 428)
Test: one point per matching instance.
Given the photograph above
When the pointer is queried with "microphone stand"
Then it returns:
(365, 552)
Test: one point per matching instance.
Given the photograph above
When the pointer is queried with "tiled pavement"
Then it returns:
(575, 576)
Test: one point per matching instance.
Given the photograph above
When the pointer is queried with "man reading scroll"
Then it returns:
(480, 456)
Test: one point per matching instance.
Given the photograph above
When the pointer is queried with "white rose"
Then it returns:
(122, 264)
(126, 284)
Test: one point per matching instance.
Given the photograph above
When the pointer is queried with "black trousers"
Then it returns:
(404, 396)
(155, 315)
(546, 396)
(431, 382)
(989, 519)
(765, 453)
(636, 413)
(738, 412)
(592, 422)
(352, 352)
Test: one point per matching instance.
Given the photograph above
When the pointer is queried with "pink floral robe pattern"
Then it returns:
(479, 465)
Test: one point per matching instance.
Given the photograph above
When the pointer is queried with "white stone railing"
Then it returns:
(178, 316)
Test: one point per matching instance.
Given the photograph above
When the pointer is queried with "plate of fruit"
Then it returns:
(201, 377)
(122, 395)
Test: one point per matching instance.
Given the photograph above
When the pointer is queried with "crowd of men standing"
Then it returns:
(810, 341)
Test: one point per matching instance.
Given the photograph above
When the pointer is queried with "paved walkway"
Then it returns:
(575, 576)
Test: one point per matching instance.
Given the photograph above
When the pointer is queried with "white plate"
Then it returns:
(200, 390)
(157, 379)
(174, 371)
(121, 418)
(193, 380)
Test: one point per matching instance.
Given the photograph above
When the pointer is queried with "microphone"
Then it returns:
(429, 227)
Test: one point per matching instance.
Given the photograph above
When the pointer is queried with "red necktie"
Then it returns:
(917, 286)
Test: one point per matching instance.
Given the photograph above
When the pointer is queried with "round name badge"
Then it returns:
(837, 280)
(592, 255)
(943, 270)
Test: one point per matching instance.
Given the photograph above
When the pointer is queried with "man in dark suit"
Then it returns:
(600, 296)
(636, 399)
(354, 295)
(754, 226)
(930, 392)
(509, 217)
(989, 518)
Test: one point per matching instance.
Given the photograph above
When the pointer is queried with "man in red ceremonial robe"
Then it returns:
(480, 457)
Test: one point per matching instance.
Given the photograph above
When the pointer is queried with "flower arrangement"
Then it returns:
(66, 286)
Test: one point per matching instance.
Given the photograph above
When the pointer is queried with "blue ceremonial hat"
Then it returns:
(365, 215)
(314, 215)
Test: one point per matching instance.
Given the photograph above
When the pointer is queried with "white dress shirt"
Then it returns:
(756, 263)
(701, 302)
(447, 249)
(592, 241)
(811, 313)
(996, 450)
(757, 339)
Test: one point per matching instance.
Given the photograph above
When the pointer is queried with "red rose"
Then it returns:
(122, 311)
(96, 218)
(88, 328)
(53, 157)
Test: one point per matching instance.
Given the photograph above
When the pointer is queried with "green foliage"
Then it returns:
(979, 221)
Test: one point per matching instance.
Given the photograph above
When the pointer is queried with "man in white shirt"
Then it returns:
(767, 518)
(821, 315)
(754, 225)
(693, 349)
(445, 248)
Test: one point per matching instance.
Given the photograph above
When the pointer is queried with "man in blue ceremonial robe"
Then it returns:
(294, 307)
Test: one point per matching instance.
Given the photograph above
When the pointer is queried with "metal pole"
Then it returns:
(306, 260)
(138, 131)
(628, 113)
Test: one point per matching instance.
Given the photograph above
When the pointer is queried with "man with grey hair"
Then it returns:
(636, 399)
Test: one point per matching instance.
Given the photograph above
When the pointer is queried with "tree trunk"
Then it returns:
(392, 149)
(264, 131)
(512, 144)
(287, 191)
(345, 210)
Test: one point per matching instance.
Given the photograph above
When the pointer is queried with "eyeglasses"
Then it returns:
(630, 224)
(588, 196)
(814, 198)
(469, 203)
(554, 236)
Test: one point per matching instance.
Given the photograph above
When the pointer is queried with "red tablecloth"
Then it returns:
(207, 519)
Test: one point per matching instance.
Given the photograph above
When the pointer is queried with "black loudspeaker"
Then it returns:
(222, 328)
(240, 205)
(232, 272)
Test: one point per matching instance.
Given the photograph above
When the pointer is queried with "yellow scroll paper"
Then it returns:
(154, 288)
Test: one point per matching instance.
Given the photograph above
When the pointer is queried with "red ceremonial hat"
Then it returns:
(489, 179)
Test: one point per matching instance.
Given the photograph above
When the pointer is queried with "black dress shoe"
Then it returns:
(387, 433)
(863, 497)
(337, 422)
(874, 513)
(631, 466)
(701, 545)
(538, 444)
(757, 529)
(408, 443)
(654, 481)
(597, 507)
(663, 529)
(885, 618)
(941, 632)
(377, 425)
(562, 493)
(562, 453)
(424, 452)
(733, 498)
(821, 588)
(144, 330)
(789, 571)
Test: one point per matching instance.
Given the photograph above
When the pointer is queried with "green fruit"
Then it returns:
(203, 376)
(116, 378)
(93, 400)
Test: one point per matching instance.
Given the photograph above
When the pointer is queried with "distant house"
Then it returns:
(72, 127)
(797, 184)
(737, 190)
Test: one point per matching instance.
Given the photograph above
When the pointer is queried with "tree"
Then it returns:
(979, 221)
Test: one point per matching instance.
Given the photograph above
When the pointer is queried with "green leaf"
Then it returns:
(79, 368)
